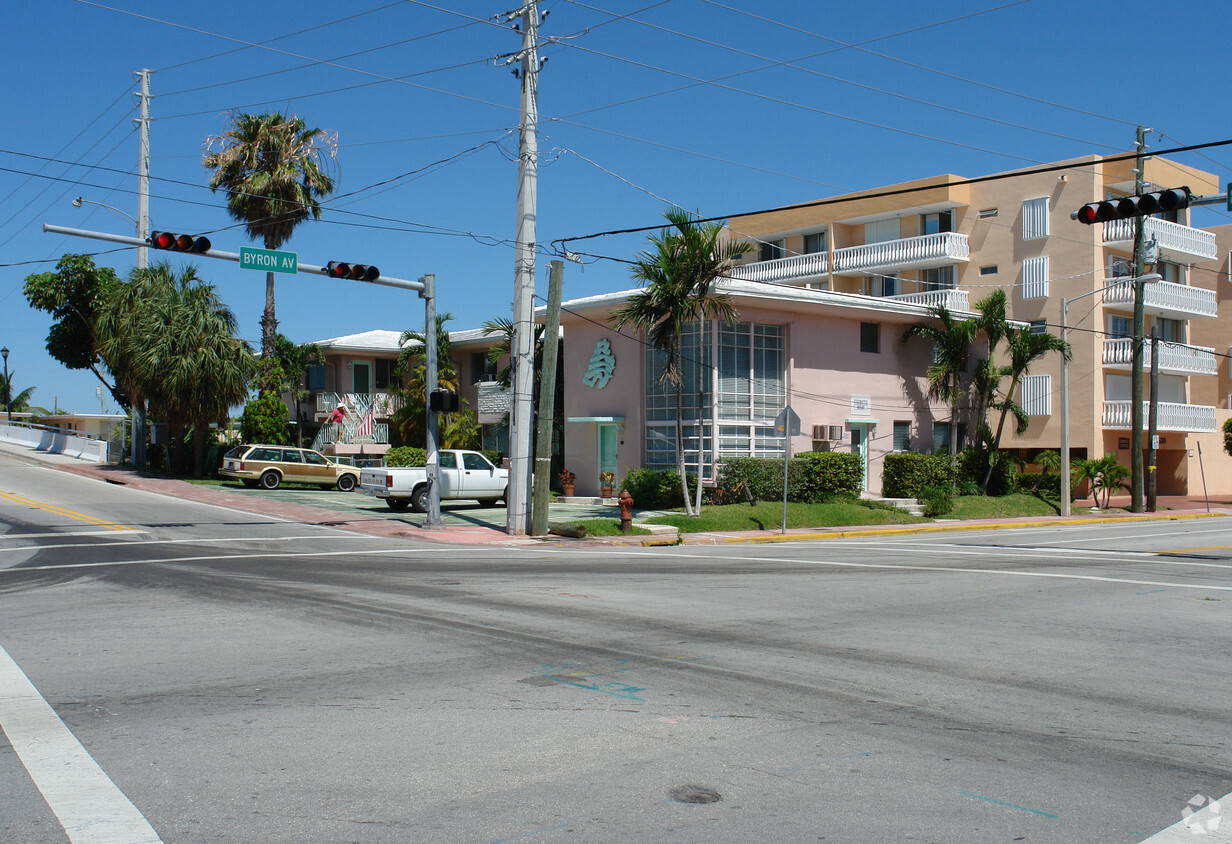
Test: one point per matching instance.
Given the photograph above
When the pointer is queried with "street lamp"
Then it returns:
(1065, 481)
(141, 251)
(8, 388)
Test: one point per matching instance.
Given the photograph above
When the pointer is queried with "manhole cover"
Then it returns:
(695, 794)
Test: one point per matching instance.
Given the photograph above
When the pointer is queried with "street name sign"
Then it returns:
(267, 260)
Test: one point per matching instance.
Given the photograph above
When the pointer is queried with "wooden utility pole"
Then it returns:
(547, 401)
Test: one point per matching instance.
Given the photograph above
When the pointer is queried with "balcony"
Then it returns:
(950, 299)
(1176, 241)
(1162, 298)
(1174, 358)
(909, 253)
(383, 404)
(1193, 418)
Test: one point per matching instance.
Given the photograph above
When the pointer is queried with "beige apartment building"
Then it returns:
(951, 240)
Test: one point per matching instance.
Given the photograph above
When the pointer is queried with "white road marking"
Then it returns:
(66, 535)
(205, 540)
(87, 803)
(952, 569)
(282, 555)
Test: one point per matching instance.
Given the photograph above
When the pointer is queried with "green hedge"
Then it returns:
(655, 489)
(908, 475)
(811, 477)
(406, 456)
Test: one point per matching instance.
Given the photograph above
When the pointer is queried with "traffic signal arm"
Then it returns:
(1137, 205)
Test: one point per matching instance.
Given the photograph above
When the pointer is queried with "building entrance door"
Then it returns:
(608, 443)
(361, 377)
(859, 445)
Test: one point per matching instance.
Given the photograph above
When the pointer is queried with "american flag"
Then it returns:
(367, 425)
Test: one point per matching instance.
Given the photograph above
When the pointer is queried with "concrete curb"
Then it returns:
(715, 539)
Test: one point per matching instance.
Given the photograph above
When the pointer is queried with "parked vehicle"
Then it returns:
(272, 465)
(463, 475)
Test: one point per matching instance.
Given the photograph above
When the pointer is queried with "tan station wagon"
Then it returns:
(271, 465)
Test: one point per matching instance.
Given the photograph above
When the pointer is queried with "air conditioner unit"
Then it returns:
(819, 431)
(836, 432)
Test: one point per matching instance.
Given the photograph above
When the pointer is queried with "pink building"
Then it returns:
(836, 358)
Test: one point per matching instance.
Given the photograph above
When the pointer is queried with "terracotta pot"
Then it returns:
(605, 491)
(567, 490)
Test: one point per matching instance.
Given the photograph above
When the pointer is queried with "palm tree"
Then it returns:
(951, 338)
(294, 361)
(170, 339)
(1025, 347)
(679, 277)
(19, 403)
(269, 165)
(410, 419)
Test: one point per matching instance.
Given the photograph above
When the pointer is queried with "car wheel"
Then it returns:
(249, 483)
(419, 499)
(398, 505)
(346, 483)
(271, 480)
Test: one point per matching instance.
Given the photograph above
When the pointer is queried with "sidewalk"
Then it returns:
(407, 527)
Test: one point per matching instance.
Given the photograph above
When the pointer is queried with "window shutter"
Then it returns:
(1036, 395)
(1035, 218)
(1035, 278)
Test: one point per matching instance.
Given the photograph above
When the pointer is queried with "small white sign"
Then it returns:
(861, 406)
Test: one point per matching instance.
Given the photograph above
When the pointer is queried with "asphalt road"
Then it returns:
(235, 678)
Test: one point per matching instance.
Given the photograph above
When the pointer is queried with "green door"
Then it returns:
(361, 377)
(859, 445)
(608, 444)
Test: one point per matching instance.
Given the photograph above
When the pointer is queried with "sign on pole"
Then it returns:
(268, 261)
(787, 423)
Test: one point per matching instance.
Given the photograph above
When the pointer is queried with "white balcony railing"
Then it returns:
(909, 253)
(1173, 239)
(950, 299)
(383, 404)
(1163, 298)
(797, 268)
(1194, 418)
(1174, 358)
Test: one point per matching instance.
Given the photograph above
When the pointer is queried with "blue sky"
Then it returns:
(720, 106)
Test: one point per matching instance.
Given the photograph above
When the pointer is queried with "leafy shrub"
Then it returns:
(265, 421)
(657, 489)
(811, 477)
(406, 456)
(973, 464)
(494, 455)
(937, 501)
(828, 474)
(1227, 435)
(907, 474)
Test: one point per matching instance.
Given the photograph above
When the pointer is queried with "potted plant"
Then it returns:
(567, 482)
(606, 479)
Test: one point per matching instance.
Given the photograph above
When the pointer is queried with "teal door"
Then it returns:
(361, 377)
(608, 444)
(859, 445)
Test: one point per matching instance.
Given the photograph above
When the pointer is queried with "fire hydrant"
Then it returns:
(626, 511)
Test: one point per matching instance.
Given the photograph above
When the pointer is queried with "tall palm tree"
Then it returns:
(294, 361)
(951, 338)
(1024, 347)
(410, 419)
(270, 167)
(680, 275)
(170, 339)
(17, 402)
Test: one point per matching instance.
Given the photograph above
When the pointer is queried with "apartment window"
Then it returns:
(1035, 278)
(992, 270)
(879, 231)
(1170, 272)
(902, 435)
(1171, 330)
(481, 368)
(941, 437)
(1035, 395)
(1120, 326)
(1120, 268)
(1039, 326)
(937, 222)
(770, 250)
(881, 285)
(1035, 218)
(870, 337)
(937, 278)
(316, 377)
(815, 242)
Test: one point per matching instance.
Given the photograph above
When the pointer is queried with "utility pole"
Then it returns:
(1136, 420)
(1152, 453)
(143, 231)
(523, 346)
(547, 400)
(433, 462)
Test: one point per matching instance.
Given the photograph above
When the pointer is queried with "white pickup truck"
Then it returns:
(463, 474)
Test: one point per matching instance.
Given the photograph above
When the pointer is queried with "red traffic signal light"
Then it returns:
(179, 242)
(1138, 205)
(359, 272)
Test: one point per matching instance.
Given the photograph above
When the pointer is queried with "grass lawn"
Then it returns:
(768, 515)
(1001, 507)
(607, 527)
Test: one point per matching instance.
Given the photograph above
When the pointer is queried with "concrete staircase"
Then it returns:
(911, 505)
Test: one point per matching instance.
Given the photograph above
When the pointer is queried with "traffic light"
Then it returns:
(360, 272)
(179, 242)
(1138, 205)
(443, 401)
